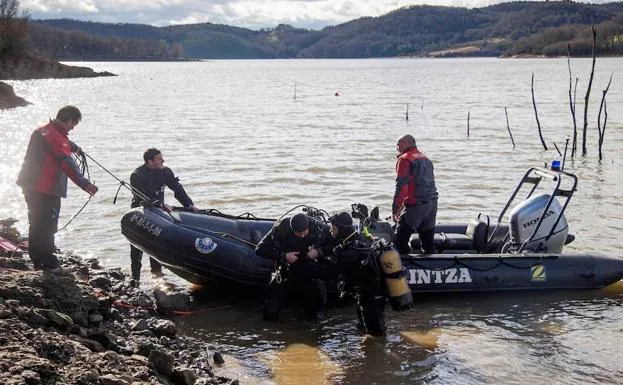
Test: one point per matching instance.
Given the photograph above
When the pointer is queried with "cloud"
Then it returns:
(243, 13)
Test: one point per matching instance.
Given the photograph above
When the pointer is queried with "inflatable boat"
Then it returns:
(521, 249)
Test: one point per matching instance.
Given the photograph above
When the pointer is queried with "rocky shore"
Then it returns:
(88, 325)
(8, 99)
(31, 67)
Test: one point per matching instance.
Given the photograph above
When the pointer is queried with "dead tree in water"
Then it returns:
(536, 114)
(588, 92)
(509, 128)
(557, 149)
(572, 103)
(601, 106)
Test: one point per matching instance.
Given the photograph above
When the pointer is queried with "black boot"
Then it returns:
(135, 256)
(371, 314)
(274, 301)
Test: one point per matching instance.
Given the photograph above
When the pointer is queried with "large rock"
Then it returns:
(8, 99)
(161, 361)
(177, 300)
(183, 376)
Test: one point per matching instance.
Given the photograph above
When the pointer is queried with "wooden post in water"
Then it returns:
(295, 91)
(601, 131)
(509, 128)
(588, 92)
(536, 114)
(468, 123)
(407, 113)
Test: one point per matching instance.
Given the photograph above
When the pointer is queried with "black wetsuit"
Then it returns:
(301, 279)
(356, 260)
(152, 183)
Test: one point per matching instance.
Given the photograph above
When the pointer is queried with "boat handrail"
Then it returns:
(535, 176)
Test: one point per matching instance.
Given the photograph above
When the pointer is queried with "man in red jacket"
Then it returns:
(415, 200)
(43, 178)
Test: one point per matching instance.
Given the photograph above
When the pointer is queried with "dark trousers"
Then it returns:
(420, 219)
(136, 257)
(303, 284)
(43, 212)
(371, 313)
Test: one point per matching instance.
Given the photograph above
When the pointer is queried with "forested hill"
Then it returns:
(516, 28)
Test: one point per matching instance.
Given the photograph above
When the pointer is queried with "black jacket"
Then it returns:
(152, 183)
(281, 239)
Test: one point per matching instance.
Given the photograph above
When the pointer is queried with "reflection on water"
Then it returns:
(231, 131)
(299, 363)
(458, 339)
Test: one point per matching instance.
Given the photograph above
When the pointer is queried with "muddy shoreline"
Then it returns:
(88, 325)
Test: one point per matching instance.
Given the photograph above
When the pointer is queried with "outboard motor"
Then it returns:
(525, 218)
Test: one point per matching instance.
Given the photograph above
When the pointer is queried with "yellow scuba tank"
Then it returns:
(399, 293)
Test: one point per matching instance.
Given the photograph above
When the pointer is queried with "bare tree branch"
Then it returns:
(599, 129)
(575, 131)
(509, 128)
(572, 102)
(536, 115)
(588, 92)
(557, 149)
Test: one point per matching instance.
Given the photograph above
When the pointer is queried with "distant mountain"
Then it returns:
(516, 28)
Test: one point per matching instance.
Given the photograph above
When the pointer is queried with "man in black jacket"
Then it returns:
(151, 179)
(291, 244)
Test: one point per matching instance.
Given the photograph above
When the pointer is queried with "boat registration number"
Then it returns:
(145, 224)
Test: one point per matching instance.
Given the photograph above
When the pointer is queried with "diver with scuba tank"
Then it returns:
(361, 262)
(292, 245)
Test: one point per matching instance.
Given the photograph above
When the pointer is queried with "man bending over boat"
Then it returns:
(415, 199)
(151, 178)
(291, 244)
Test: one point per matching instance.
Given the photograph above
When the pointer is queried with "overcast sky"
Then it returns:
(252, 14)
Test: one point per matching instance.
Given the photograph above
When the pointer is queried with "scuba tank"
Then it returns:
(399, 293)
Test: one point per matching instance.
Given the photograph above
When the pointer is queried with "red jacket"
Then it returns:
(48, 162)
(415, 179)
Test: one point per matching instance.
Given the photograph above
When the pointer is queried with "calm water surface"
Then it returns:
(233, 133)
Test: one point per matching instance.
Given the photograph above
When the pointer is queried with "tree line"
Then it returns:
(20, 36)
(13, 28)
(516, 28)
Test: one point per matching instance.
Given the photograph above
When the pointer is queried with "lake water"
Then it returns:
(239, 141)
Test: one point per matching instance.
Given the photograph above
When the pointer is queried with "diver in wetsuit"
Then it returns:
(291, 244)
(355, 259)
